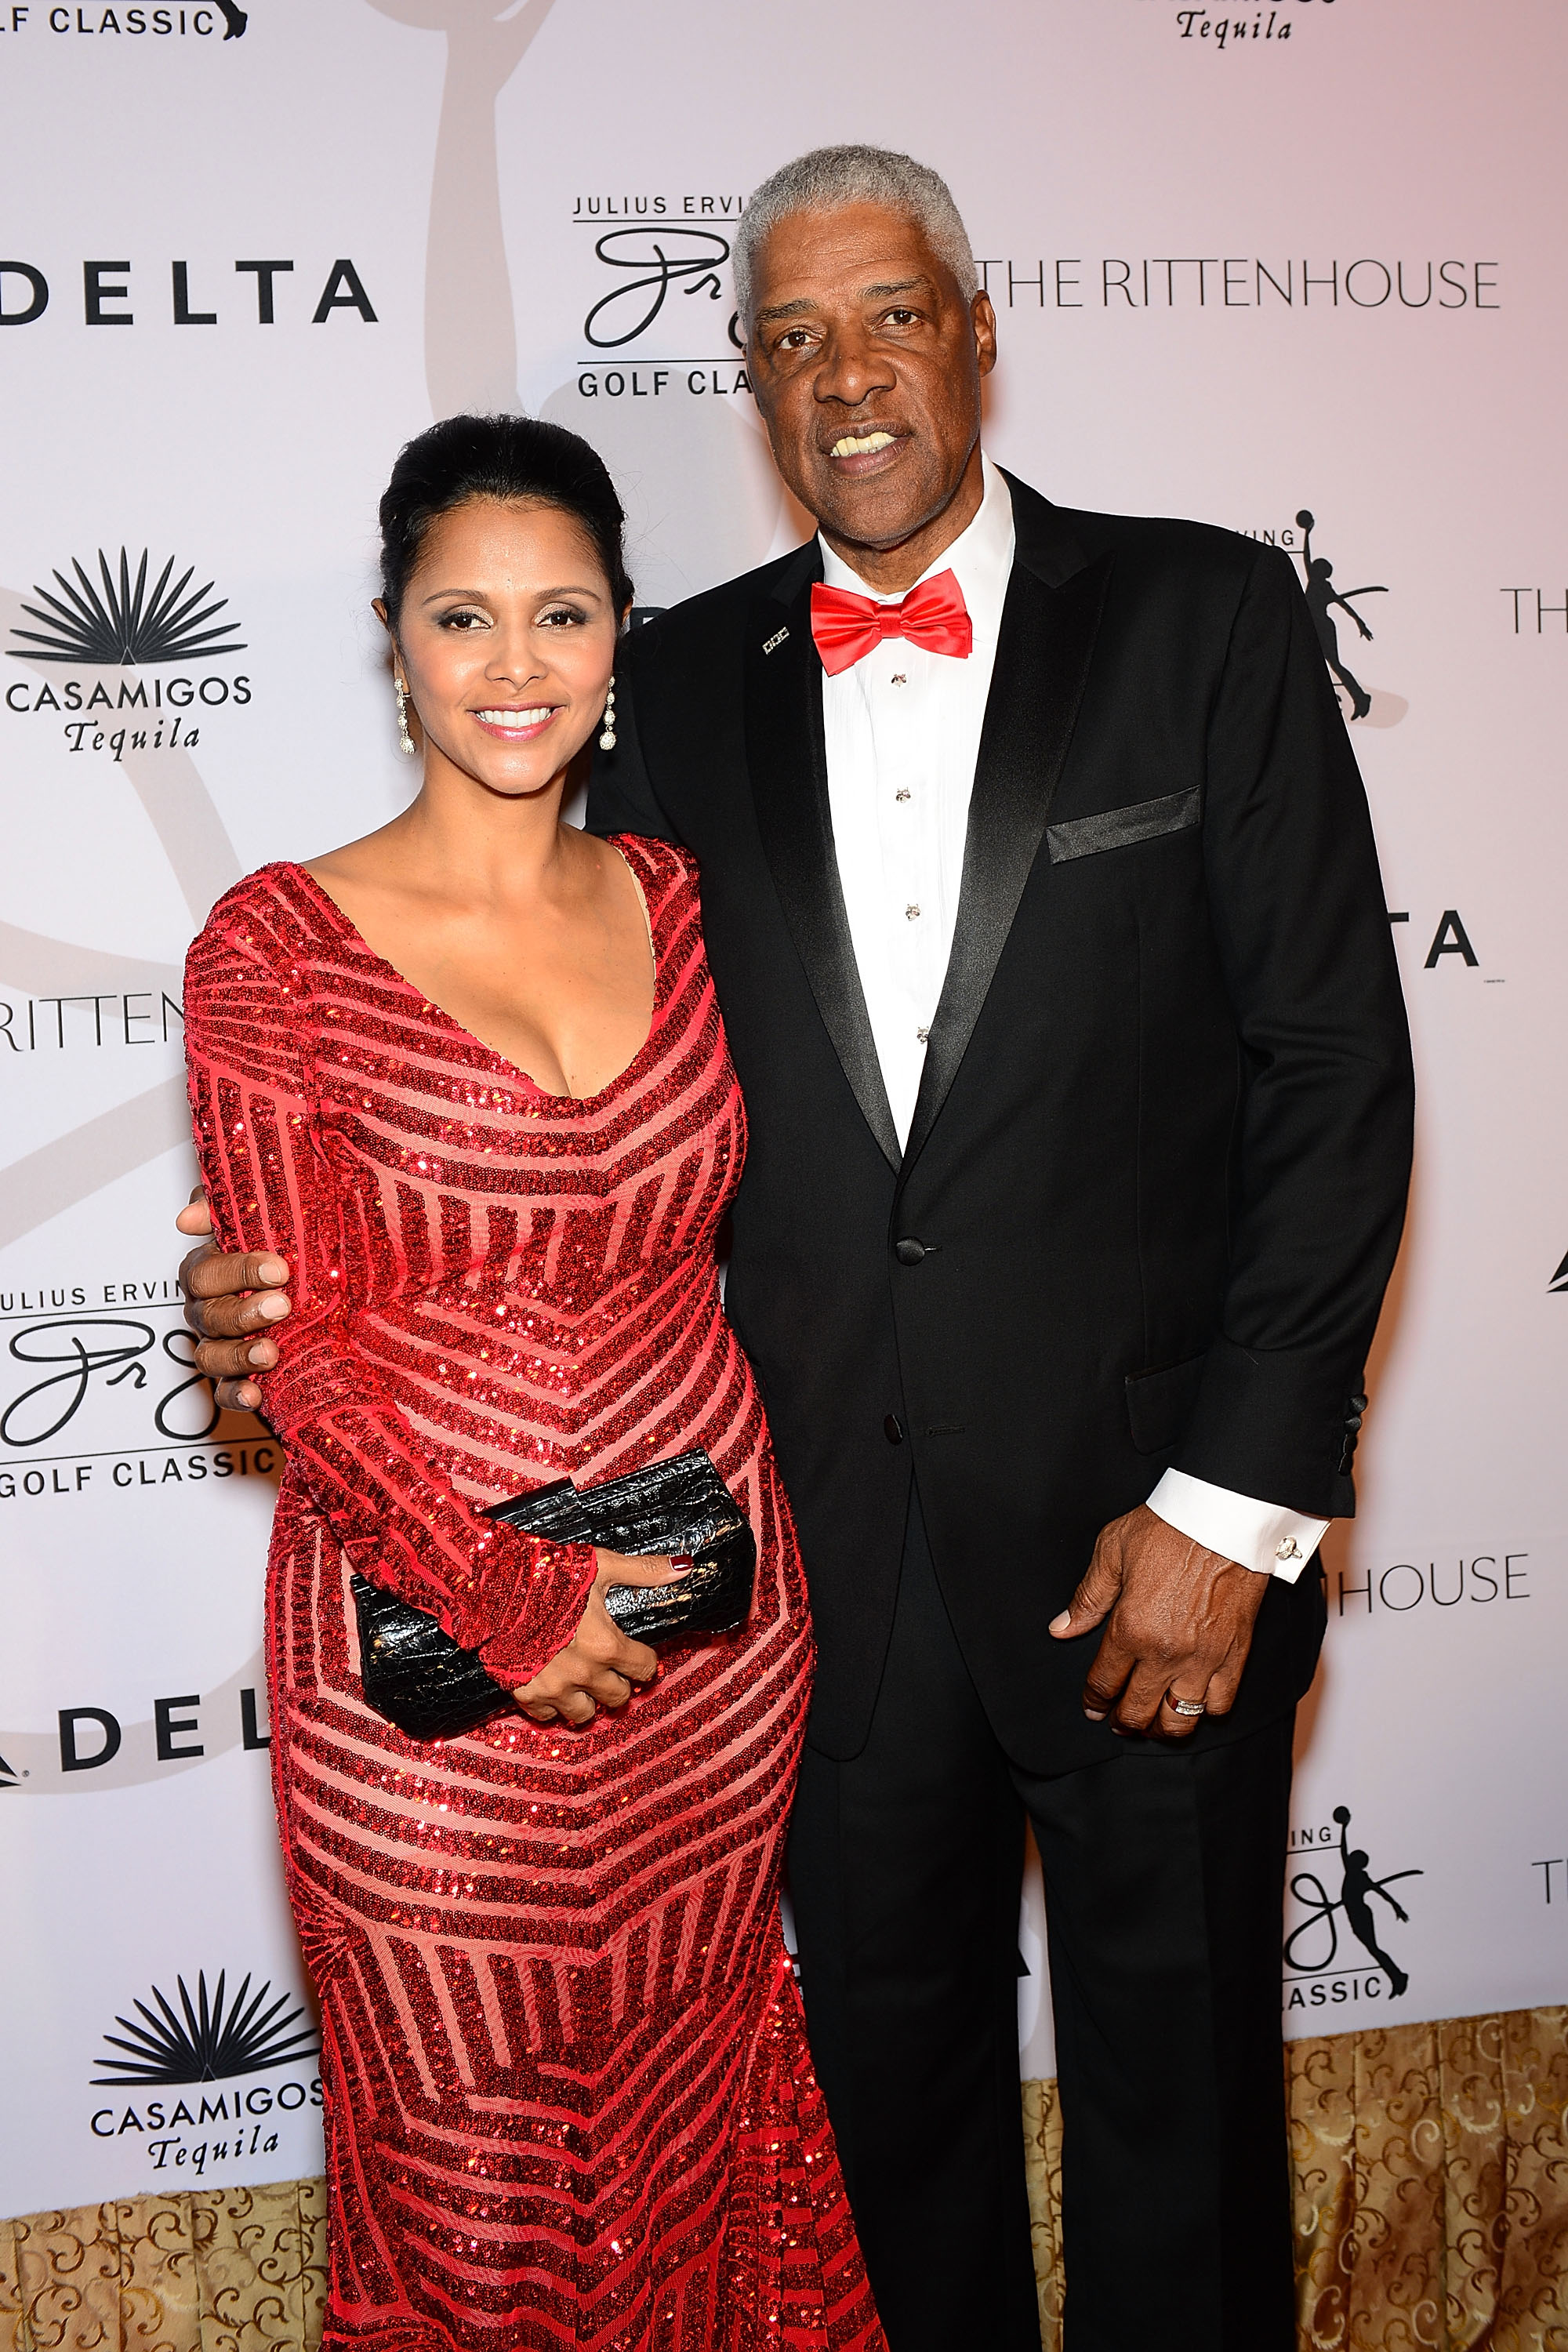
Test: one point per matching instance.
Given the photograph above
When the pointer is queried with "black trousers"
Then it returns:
(1165, 1885)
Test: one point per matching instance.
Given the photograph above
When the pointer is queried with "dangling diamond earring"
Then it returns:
(404, 736)
(607, 739)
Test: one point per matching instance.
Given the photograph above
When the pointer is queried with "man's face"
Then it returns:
(866, 362)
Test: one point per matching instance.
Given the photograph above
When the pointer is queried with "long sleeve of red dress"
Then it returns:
(251, 1042)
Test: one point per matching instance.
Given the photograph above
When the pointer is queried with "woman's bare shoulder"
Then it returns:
(373, 858)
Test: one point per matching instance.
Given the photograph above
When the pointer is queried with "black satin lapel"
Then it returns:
(1043, 653)
(788, 763)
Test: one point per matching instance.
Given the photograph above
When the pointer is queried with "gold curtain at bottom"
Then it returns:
(1431, 2184)
(219, 2270)
(1430, 2175)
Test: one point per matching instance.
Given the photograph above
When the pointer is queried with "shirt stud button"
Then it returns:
(923, 1034)
(911, 913)
(902, 794)
(898, 678)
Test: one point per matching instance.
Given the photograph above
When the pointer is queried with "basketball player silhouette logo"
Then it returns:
(1353, 1904)
(235, 20)
(1321, 596)
(1358, 1884)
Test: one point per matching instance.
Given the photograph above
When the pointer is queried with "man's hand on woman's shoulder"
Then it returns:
(232, 1299)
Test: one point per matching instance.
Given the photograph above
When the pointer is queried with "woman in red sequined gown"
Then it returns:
(569, 2099)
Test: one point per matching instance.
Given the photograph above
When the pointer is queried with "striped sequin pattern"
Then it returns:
(569, 2098)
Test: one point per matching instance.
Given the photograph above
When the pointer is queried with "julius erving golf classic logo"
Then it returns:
(117, 621)
(1323, 1965)
(207, 2039)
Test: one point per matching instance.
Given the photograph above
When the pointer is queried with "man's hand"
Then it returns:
(225, 1298)
(599, 1666)
(1180, 1626)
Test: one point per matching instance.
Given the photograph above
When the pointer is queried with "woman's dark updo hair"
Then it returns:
(513, 458)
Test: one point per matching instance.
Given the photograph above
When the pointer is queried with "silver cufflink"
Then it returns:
(1286, 1548)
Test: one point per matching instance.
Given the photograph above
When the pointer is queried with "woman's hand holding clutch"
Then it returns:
(600, 1666)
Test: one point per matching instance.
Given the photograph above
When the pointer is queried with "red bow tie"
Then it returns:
(848, 627)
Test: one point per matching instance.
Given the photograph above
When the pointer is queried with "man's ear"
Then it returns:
(749, 361)
(985, 319)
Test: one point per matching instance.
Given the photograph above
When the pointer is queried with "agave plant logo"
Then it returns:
(124, 624)
(207, 2042)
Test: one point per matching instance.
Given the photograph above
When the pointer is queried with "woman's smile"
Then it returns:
(516, 726)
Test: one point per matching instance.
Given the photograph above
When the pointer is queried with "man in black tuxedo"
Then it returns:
(1047, 923)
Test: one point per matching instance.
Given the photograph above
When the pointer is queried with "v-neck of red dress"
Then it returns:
(346, 925)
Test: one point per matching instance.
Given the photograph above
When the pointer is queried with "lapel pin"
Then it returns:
(775, 642)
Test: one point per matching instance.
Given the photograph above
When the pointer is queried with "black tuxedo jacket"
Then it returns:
(1156, 1176)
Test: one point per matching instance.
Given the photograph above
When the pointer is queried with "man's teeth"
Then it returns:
(854, 444)
(517, 718)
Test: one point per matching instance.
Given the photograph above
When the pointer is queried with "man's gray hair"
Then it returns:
(831, 177)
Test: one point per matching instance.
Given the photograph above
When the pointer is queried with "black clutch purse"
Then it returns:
(432, 1688)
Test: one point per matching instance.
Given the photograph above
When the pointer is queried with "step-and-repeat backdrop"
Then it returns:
(1297, 269)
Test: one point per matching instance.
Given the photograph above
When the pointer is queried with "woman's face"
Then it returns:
(506, 642)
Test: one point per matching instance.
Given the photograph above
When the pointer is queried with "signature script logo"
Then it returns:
(661, 257)
(78, 1350)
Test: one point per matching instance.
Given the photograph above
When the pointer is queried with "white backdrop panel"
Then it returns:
(1305, 257)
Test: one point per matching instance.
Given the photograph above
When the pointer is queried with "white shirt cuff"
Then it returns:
(1261, 1536)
